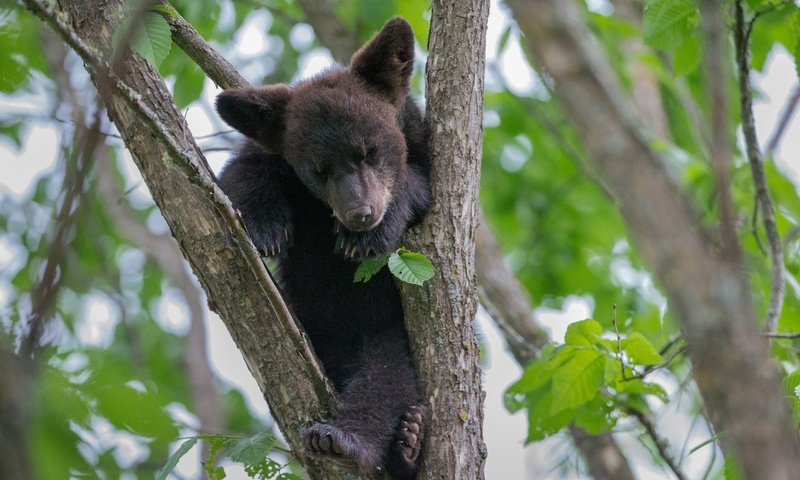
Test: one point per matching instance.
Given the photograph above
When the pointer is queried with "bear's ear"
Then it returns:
(387, 60)
(258, 112)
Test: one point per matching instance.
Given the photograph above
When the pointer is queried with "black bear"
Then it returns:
(334, 170)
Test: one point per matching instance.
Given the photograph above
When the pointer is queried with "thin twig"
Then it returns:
(619, 343)
(783, 122)
(780, 335)
(763, 199)
(660, 442)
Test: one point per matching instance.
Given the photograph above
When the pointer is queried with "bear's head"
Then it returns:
(341, 131)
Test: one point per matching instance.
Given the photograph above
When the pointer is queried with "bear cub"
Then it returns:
(335, 169)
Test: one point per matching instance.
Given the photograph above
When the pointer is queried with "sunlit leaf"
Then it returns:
(578, 380)
(641, 350)
(410, 267)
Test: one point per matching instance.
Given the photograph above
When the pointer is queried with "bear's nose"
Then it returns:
(360, 217)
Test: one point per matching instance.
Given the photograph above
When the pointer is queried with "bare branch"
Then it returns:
(783, 122)
(660, 442)
(763, 198)
(781, 335)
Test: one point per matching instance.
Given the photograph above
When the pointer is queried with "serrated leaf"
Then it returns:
(173, 459)
(668, 23)
(585, 332)
(152, 40)
(410, 267)
(253, 450)
(578, 380)
(640, 350)
(369, 267)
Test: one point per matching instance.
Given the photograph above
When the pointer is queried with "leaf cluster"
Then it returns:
(591, 380)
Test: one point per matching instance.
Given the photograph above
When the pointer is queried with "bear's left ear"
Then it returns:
(258, 112)
(387, 60)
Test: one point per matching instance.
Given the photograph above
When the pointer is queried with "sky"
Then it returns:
(504, 433)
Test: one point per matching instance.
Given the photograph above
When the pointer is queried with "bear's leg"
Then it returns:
(369, 427)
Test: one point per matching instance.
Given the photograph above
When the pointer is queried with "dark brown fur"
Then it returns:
(335, 169)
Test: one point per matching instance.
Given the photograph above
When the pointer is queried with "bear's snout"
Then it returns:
(360, 218)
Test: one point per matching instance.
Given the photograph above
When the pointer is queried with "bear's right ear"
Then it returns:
(258, 112)
(387, 60)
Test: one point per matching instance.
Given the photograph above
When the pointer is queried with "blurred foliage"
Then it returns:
(122, 385)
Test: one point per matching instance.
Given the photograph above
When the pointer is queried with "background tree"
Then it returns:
(631, 78)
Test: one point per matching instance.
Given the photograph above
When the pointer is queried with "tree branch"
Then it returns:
(662, 445)
(763, 199)
(219, 70)
(330, 29)
(706, 292)
(716, 54)
(783, 122)
(210, 232)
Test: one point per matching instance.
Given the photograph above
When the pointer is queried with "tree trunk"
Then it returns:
(706, 292)
(440, 315)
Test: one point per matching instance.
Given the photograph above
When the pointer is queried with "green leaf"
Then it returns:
(173, 459)
(188, 85)
(596, 416)
(668, 23)
(152, 40)
(687, 57)
(637, 386)
(14, 70)
(410, 267)
(731, 468)
(640, 350)
(542, 421)
(578, 380)
(369, 267)
(790, 384)
(584, 332)
(288, 476)
(253, 450)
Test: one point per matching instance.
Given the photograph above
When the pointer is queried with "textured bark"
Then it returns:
(440, 315)
(706, 292)
(210, 234)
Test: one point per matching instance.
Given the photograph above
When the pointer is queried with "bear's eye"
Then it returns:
(370, 155)
(320, 171)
